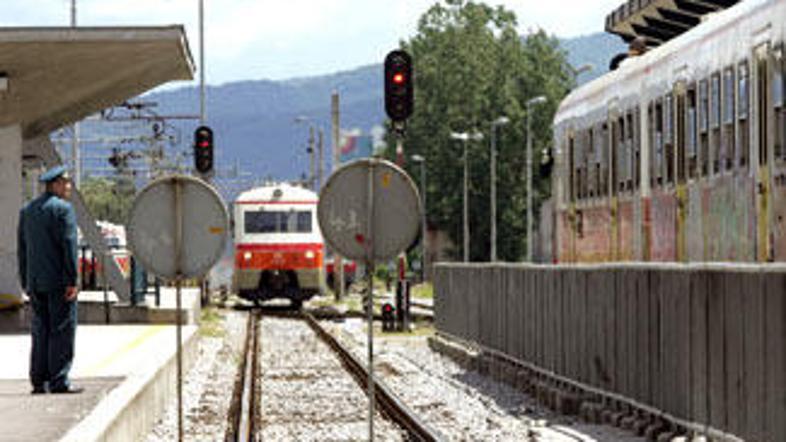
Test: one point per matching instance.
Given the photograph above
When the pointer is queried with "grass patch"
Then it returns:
(211, 323)
(423, 291)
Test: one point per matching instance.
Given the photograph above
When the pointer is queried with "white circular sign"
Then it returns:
(178, 204)
(343, 210)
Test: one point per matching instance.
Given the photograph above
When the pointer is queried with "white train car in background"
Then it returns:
(279, 249)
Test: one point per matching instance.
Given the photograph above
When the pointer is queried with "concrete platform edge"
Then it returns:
(130, 410)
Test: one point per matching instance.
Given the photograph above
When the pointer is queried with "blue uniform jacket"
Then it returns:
(47, 245)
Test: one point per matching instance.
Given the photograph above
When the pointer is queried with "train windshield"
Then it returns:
(292, 221)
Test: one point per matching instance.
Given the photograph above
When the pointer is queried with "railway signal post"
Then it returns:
(399, 105)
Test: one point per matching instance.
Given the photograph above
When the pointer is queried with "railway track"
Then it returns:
(245, 410)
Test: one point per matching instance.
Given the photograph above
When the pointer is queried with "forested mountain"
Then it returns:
(254, 120)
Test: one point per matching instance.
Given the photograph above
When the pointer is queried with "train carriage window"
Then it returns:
(728, 142)
(691, 143)
(668, 138)
(571, 171)
(704, 141)
(634, 124)
(621, 153)
(603, 154)
(681, 136)
(778, 104)
(658, 144)
(715, 118)
(743, 111)
(591, 156)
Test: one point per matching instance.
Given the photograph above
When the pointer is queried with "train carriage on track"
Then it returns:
(279, 249)
(680, 154)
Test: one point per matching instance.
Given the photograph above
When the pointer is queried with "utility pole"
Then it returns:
(311, 171)
(501, 121)
(75, 154)
(321, 168)
(338, 267)
(530, 103)
(202, 110)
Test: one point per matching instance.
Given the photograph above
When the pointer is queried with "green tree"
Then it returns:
(109, 199)
(471, 67)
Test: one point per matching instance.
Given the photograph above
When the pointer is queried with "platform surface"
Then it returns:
(112, 362)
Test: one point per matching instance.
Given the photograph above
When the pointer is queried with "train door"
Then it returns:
(763, 137)
(777, 126)
(680, 188)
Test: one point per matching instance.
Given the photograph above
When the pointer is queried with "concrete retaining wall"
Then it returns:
(705, 344)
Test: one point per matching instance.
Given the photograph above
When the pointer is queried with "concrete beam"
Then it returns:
(57, 76)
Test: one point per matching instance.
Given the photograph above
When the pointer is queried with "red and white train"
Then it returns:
(279, 250)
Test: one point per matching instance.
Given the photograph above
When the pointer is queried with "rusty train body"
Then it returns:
(279, 249)
(680, 154)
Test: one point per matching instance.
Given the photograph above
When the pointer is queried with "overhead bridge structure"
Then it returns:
(658, 21)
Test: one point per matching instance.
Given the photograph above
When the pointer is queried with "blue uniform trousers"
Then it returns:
(53, 330)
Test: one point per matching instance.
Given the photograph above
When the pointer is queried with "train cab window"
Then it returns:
(691, 142)
(778, 104)
(715, 121)
(728, 149)
(266, 221)
(743, 111)
(668, 138)
(704, 127)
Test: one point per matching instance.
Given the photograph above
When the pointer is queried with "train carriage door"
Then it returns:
(763, 139)
(681, 166)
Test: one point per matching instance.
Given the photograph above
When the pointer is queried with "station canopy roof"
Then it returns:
(57, 76)
(658, 21)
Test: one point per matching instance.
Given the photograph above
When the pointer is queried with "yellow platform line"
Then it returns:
(122, 351)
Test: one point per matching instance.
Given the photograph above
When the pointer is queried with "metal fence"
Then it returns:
(703, 343)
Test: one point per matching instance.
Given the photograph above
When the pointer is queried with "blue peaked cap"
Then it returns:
(53, 174)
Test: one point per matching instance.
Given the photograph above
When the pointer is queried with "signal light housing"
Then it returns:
(399, 88)
(203, 150)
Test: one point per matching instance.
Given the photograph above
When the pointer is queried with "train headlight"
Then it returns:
(247, 256)
(310, 254)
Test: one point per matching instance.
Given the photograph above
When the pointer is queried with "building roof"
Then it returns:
(56, 76)
(660, 20)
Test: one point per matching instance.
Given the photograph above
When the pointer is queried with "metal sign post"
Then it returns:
(370, 301)
(177, 230)
(369, 210)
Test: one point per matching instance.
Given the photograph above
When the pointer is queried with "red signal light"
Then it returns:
(398, 78)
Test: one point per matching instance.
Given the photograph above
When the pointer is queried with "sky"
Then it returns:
(278, 39)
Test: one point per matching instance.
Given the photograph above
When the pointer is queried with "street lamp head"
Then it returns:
(540, 99)
(417, 158)
(501, 121)
(464, 136)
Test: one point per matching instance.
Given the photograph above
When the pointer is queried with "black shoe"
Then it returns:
(69, 390)
(38, 390)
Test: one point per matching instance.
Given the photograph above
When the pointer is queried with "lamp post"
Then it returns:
(501, 121)
(530, 103)
(424, 237)
(465, 137)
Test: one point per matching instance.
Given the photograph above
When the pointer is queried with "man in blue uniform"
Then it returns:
(47, 251)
